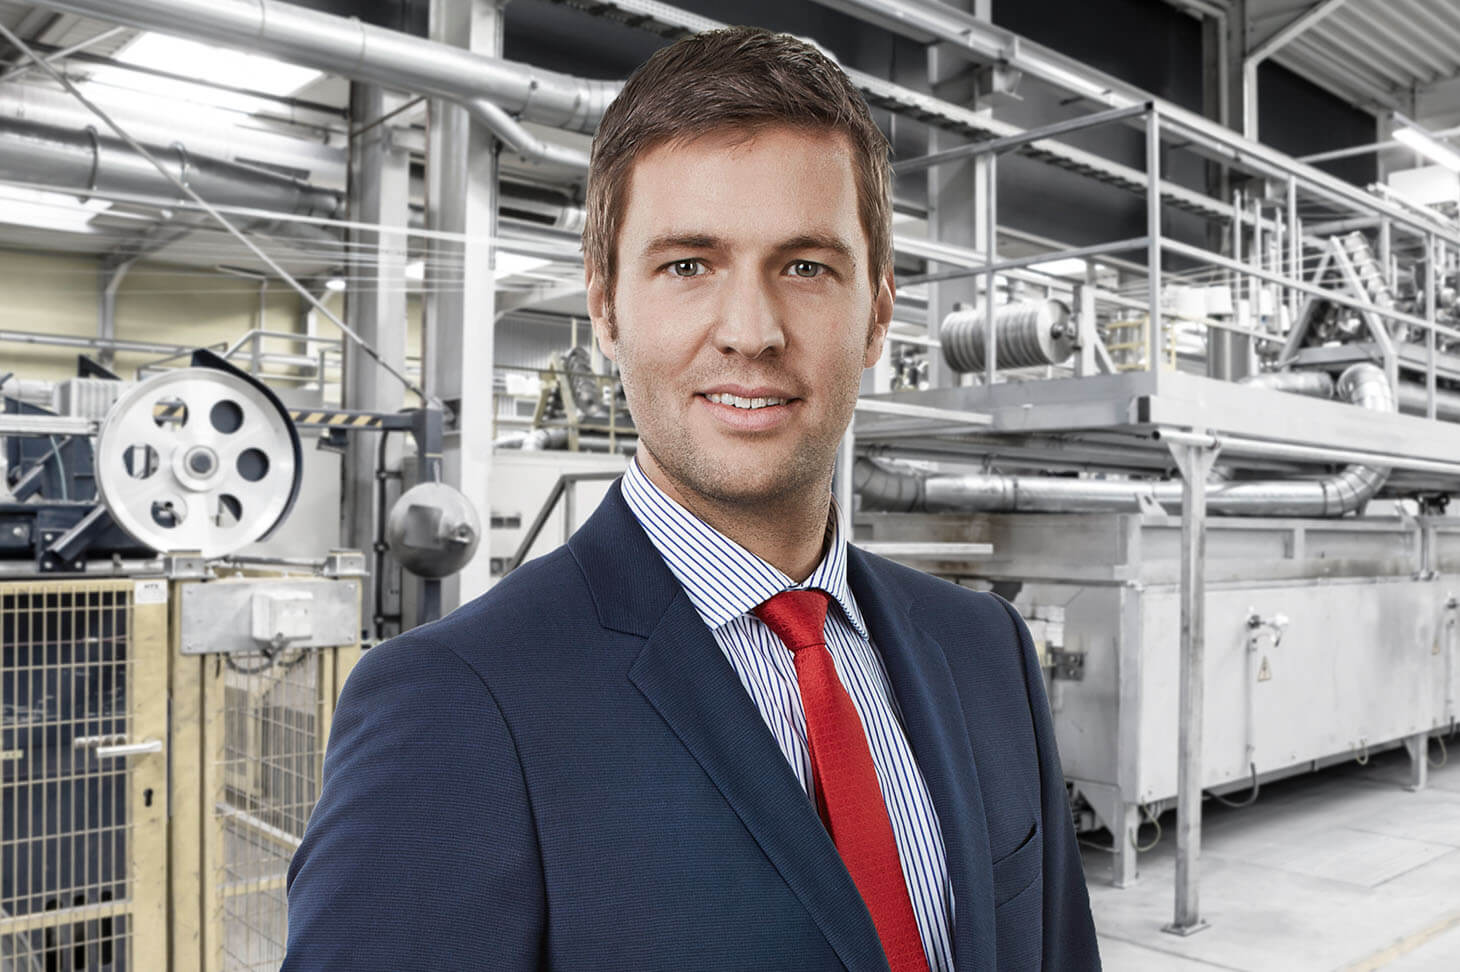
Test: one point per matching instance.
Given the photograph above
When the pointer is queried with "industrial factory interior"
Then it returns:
(297, 355)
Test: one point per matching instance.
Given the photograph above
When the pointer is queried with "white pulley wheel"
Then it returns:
(197, 459)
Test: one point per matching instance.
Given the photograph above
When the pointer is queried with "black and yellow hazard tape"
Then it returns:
(353, 420)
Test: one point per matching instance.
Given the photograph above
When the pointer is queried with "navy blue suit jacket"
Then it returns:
(567, 773)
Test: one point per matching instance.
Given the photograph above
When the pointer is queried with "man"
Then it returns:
(707, 733)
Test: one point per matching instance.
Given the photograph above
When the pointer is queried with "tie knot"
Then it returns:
(797, 617)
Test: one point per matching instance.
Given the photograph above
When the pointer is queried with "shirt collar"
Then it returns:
(725, 581)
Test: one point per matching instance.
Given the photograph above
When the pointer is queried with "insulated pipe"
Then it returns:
(87, 160)
(1362, 384)
(529, 147)
(66, 159)
(153, 120)
(1414, 400)
(348, 47)
(1314, 384)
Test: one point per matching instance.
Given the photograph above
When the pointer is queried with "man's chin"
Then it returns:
(747, 485)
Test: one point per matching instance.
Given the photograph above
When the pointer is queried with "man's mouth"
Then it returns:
(721, 398)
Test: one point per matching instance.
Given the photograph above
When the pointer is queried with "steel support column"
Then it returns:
(1195, 464)
(955, 202)
(461, 189)
(1153, 237)
(375, 300)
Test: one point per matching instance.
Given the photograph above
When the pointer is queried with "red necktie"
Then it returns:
(844, 778)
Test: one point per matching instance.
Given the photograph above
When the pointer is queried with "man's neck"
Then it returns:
(790, 533)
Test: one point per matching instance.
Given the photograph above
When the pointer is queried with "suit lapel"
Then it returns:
(685, 676)
(933, 717)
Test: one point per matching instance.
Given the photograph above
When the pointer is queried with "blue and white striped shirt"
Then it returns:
(725, 582)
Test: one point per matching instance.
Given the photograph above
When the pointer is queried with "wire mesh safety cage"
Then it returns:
(83, 833)
(152, 800)
(267, 783)
(248, 735)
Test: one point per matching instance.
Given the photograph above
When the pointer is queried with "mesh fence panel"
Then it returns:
(269, 780)
(67, 819)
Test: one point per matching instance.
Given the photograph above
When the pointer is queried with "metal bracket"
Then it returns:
(188, 565)
(67, 549)
(344, 563)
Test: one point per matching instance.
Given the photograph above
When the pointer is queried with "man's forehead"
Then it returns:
(703, 187)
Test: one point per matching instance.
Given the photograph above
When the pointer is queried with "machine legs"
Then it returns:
(1124, 869)
(1195, 463)
(1418, 747)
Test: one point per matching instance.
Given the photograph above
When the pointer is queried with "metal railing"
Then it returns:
(563, 490)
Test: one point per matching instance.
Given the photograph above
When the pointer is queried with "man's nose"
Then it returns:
(748, 320)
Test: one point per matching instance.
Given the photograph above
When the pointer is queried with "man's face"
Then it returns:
(743, 312)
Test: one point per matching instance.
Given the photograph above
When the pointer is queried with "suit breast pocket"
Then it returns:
(1019, 904)
(1016, 870)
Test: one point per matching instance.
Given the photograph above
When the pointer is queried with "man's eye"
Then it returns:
(807, 269)
(686, 268)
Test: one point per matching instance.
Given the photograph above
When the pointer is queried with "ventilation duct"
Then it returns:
(344, 46)
(883, 488)
(85, 160)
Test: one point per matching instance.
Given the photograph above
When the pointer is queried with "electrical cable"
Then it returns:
(1444, 753)
(1140, 848)
(1143, 848)
(1247, 801)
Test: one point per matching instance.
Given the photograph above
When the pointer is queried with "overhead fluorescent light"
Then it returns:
(335, 284)
(511, 264)
(209, 65)
(1428, 146)
(48, 210)
(1068, 267)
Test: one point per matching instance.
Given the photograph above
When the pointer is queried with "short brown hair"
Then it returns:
(736, 77)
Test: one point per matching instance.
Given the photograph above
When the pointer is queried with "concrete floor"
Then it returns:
(1338, 870)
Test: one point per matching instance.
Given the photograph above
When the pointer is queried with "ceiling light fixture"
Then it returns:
(42, 209)
(335, 284)
(209, 65)
(511, 264)
(1427, 145)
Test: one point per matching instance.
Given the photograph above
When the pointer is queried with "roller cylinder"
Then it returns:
(1030, 334)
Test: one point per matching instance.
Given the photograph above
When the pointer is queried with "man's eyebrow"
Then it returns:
(680, 241)
(820, 241)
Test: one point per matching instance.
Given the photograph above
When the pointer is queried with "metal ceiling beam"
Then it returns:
(1327, 71)
(1299, 24)
(1397, 35)
(1373, 49)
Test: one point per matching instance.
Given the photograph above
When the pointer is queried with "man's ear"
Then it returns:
(600, 312)
(881, 319)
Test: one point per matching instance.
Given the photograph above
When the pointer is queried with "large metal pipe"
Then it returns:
(561, 159)
(154, 120)
(348, 47)
(87, 160)
(65, 158)
(1314, 384)
(1414, 400)
(1362, 384)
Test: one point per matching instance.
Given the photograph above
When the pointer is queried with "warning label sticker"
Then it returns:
(153, 591)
